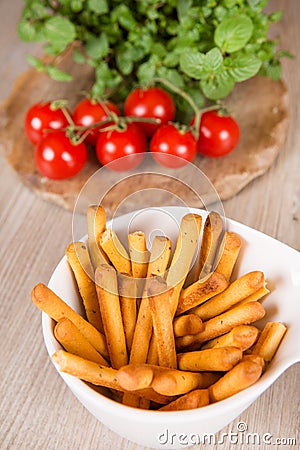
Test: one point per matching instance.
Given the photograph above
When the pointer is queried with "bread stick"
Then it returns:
(96, 224)
(201, 291)
(242, 336)
(86, 370)
(162, 319)
(79, 260)
(240, 315)
(115, 251)
(139, 254)
(237, 291)
(186, 246)
(212, 231)
(74, 342)
(213, 359)
(178, 382)
(107, 291)
(254, 358)
(47, 301)
(258, 295)
(133, 377)
(192, 400)
(187, 324)
(100, 375)
(228, 254)
(128, 294)
(159, 259)
(269, 340)
(243, 375)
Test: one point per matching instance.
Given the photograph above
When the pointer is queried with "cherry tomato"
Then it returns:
(218, 135)
(114, 144)
(41, 117)
(57, 158)
(153, 103)
(169, 140)
(88, 112)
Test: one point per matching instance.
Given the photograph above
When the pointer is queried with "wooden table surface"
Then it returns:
(37, 411)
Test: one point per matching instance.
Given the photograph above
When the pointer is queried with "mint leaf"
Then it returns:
(172, 75)
(78, 57)
(98, 6)
(218, 86)
(26, 31)
(213, 60)
(147, 70)
(125, 17)
(243, 67)
(182, 8)
(275, 16)
(193, 64)
(57, 74)
(97, 47)
(35, 62)
(124, 64)
(60, 32)
(233, 33)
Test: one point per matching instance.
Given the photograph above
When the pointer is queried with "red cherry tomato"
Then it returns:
(57, 158)
(88, 112)
(218, 135)
(41, 117)
(152, 103)
(169, 141)
(115, 144)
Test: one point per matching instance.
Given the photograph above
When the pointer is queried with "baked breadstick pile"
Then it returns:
(164, 329)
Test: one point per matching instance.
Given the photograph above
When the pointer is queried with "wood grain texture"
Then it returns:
(37, 411)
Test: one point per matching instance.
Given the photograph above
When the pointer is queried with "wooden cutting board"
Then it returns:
(260, 106)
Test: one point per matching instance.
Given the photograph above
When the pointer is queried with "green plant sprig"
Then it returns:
(202, 47)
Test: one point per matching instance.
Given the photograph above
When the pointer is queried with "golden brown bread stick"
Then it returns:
(159, 259)
(269, 340)
(237, 291)
(115, 251)
(133, 377)
(200, 291)
(191, 400)
(96, 224)
(186, 246)
(127, 293)
(74, 342)
(100, 376)
(258, 295)
(239, 315)
(243, 375)
(242, 336)
(79, 261)
(228, 253)
(107, 291)
(178, 382)
(212, 231)
(254, 358)
(46, 300)
(86, 370)
(187, 324)
(162, 319)
(212, 359)
(139, 254)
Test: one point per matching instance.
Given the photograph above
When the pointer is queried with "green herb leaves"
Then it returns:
(204, 47)
(60, 32)
(233, 33)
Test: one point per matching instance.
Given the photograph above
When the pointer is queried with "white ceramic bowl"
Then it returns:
(281, 266)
